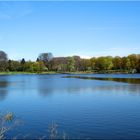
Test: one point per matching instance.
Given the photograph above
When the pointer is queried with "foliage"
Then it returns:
(4, 128)
(3, 61)
(46, 62)
(9, 116)
(70, 64)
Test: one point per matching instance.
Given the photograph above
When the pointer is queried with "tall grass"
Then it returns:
(9, 122)
(4, 127)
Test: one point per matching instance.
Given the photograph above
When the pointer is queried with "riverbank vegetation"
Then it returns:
(47, 64)
(9, 123)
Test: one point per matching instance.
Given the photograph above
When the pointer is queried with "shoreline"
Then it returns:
(52, 72)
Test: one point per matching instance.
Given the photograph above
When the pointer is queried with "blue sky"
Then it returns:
(69, 28)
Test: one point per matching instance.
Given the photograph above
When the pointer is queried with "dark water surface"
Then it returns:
(83, 106)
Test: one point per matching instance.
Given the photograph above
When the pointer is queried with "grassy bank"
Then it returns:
(16, 73)
(100, 72)
(76, 72)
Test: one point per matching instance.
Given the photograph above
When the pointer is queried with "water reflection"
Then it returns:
(3, 85)
(100, 107)
(3, 94)
(125, 89)
(124, 80)
(47, 86)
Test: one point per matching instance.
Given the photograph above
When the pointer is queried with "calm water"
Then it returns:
(85, 106)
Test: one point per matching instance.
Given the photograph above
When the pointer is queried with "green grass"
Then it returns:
(15, 73)
(76, 72)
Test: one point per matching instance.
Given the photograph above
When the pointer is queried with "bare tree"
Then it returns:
(3, 61)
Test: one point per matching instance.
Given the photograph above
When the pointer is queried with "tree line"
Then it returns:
(46, 62)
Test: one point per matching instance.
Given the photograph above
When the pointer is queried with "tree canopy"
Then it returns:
(46, 62)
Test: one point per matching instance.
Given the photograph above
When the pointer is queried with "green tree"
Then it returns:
(77, 62)
(133, 61)
(126, 65)
(104, 63)
(23, 62)
(92, 63)
(117, 63)
(70, 64)
(85, 64)
(14, 65)
(38, 66)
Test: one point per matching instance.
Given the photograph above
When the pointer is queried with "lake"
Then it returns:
(100, 106)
